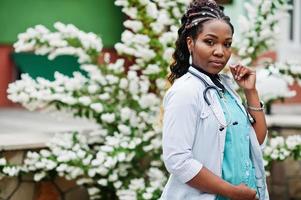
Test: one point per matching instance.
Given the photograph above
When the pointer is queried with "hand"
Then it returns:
(242, 192)
(244, 76)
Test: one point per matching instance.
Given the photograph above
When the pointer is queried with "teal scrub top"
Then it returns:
(237, 166)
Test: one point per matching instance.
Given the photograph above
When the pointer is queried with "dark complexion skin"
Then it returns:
(211, 51)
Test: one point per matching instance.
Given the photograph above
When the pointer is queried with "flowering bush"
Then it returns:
(279, 149)
(258, 29)
(122, 158)
(67, 40)
(127, 131)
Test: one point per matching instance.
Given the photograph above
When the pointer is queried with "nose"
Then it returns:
(218, 51)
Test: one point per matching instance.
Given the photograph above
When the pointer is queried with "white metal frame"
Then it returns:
(291, 49)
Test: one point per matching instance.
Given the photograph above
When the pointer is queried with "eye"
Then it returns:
(228, 44)
(209, 42)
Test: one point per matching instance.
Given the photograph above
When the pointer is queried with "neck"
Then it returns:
(203, 71)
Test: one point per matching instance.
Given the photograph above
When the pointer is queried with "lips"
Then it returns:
(217, 63)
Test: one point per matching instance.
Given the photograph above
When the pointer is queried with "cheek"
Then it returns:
(205, 51)
(228, 53)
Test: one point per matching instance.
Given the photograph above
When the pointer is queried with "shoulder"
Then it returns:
(225, 77)
(228, 80)
(185, 90)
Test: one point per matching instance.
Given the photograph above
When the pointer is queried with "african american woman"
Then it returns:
(212, 143)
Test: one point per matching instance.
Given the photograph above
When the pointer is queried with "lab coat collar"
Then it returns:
(215, 105)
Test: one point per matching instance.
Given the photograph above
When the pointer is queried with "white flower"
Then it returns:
(168, 54)
(277, 142)
(102, 182)
(85, 100)
(104, 96)
(161, 83)
(293, 141)
(147, 195)
(92, 89)
(98, 107)
(133, 24)
(133, 87)
(11, 171)
(112, 79)
(148, 100)
(266, 6)
(82, 181)
(137, 184)
(80, 154)
(266, 83)
(143, 2)
(152, 69)
(61, 168)
(157, 27)
(275, 154)
(121, 156)
(176, 12)
(268, 150)
(92, 191)
(112, 141)
(131, 12)
(126, 195)
(106, 148)
(91, 172)
(123, 84)
(117, 184)
(124, 129)
(102, 171)
(125, 113)
(110, 162)
(132, 75)
(108, 117)
(39, 176)
(2, 161)
(113, 177)
(151, 10)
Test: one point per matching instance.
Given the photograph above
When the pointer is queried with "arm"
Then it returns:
(260, 126)
(206, 181)
(179, 128)
(246, 79)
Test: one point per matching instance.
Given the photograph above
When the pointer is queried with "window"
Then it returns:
(295, 22)
(290, 46)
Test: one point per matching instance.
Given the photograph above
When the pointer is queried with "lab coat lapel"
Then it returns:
(213, 98)
(217, 108)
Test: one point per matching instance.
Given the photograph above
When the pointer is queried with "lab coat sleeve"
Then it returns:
(179, 129)
(263, 145)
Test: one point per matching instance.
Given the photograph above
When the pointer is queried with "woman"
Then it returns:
(210, 148)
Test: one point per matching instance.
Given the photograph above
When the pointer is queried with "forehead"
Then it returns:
(217, 27)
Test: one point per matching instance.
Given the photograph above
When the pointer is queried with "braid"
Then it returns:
(198, 12)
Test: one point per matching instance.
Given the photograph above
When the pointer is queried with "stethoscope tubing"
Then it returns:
(219, 91)
(207, 88)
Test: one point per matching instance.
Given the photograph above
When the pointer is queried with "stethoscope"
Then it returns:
(220, 94)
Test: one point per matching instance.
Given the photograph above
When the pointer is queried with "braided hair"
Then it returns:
(198, 12)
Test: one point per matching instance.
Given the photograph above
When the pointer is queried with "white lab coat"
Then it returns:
(192, 139)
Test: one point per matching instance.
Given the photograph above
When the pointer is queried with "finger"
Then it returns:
(249, 70)
(233, 71)
(242, 73)
(238, 72)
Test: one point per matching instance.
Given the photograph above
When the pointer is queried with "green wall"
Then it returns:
(99, 16)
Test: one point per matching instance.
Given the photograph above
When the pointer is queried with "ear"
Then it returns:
(190, 43)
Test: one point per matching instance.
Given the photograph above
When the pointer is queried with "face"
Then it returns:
(211, 49)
